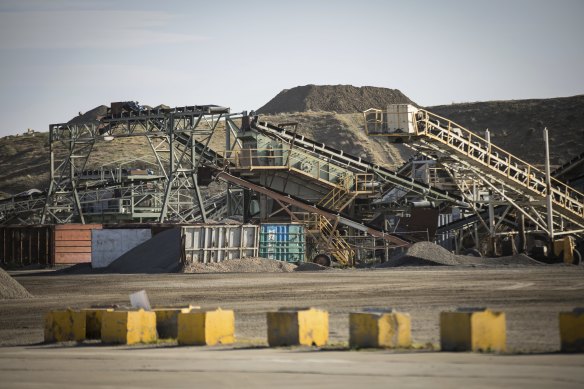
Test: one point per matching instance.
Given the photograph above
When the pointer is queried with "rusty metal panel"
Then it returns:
(72, 258)
(72, 235)
(72, 243)
(75, 249)
(25, 245)
(78, 227)
(422, 224)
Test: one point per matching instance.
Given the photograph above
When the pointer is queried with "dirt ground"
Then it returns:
(531, 296)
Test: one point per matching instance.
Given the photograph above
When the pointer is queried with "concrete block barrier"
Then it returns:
(206, 327)
(93, 318)
(128, 327)
(167, 321)
(302, 326)
(572, 331)
(473, 329)
(65, 325)
(379, 328)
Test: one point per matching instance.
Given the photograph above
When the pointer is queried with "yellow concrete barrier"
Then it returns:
(128, 327)
(572, 331)
(379, 328)
(93, 318)
(473, 329)
(167, 321)
(65, 325)
(206, 327)
(303, 326)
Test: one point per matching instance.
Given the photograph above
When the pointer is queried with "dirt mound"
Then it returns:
(10, 288)
(244, 265)
(430, 254)
(93, 115)
(333, 98)
(161, 254)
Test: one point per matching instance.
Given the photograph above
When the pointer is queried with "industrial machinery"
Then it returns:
(460, 190)
(507, 197)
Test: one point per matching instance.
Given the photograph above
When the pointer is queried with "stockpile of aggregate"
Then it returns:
(161, 254)
(430, 254)
(10, 288)
(243, 265)
(333, 98)
(310, 266)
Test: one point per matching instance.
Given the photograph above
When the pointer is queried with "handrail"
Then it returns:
(497, 159)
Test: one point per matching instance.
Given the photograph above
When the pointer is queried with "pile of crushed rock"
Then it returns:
(250, 265)
(333, 98)
(10, 288)
(430, 254)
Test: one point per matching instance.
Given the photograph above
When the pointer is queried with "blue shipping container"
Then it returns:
(283, 242)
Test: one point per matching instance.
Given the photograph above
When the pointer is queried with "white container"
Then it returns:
(400, 118)
(107, 245)
(215, 243)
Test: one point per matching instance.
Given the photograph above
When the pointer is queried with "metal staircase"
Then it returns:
(523, 177)
(485, 175)
(336, 200)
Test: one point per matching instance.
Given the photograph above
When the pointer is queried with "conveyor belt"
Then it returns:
(359, 164)
(500, 164)
(311, 207)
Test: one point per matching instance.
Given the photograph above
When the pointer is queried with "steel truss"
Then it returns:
(179, 138)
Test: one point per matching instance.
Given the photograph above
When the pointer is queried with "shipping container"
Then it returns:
(46, 245)
(283, 242)
(215, 243)
(26, 245)
(72, 243)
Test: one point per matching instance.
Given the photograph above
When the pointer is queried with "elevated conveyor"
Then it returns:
(383, 175)
(549, 203)
(522, 176)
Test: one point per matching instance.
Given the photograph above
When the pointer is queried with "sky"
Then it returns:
(62, 57)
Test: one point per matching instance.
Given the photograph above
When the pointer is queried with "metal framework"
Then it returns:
(489, 178)
(178, 138)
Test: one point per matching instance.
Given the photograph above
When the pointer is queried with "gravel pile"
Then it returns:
(430, 254)
(161, 254)
(244, 265)
(10, 288)
(333, 98)
(309, 266)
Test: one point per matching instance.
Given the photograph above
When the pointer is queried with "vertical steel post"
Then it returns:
(72, 179)
(195, 174)
(548, 181)
(52, 180)
(492, 225)
(172, 173)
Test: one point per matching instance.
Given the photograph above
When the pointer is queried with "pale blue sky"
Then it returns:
(64, 56)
